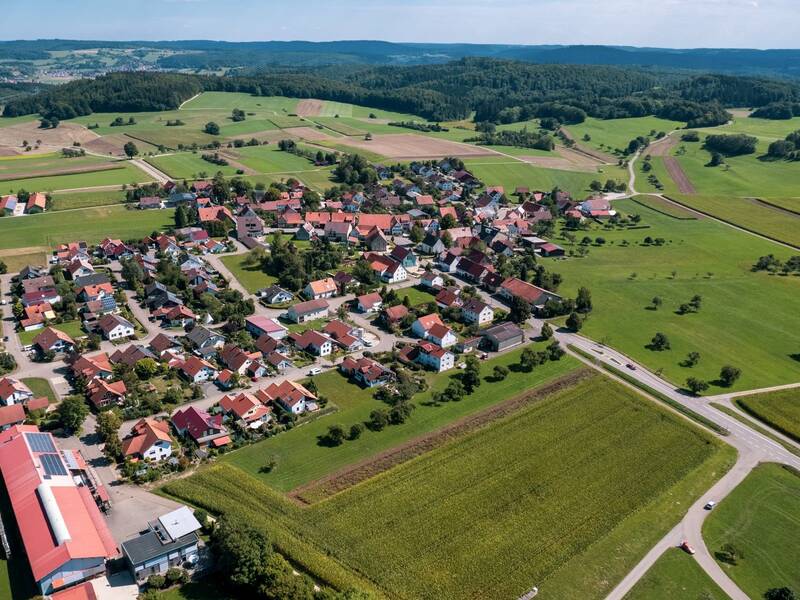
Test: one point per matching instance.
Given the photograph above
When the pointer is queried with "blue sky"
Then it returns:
(664, 23)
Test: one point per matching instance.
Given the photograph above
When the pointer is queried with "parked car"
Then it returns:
(710, 504)
(314, 371)
(686, 547)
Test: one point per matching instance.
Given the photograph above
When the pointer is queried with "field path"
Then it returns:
(189, 100)
(159, 176)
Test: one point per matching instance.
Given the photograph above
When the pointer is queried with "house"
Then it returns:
(345, 336)
(275, 294)
(203, 428)
(197, 370)
(289, 396)
(158, 296)
(170, 541)
(114, 327)
(150, 203)
(247, 409)
(313, 341)
(533, 295)
(204, 341)
(432, 244)
(148, 440)
(322, 288)
(431, 327)
(366, 371)
(64, 536)
(448, 262)
(92, 367)
(8, 204)
(432, 356)
(369, 303)
(236, 359)
(179, 316)
(258, 325)
(394, 314)
(278, 361)
(338, 232)
(101, 393)
(95, 291)
(53, 340)
(502, 336)
(37, 203)
(163, 343)
(476, 311)
(308, 311)
(131, 355)
(13, 414)
(13, 391)
(449, 297)
(376, 241)
(550, 249)
(79, 267)
(36, 316)
(249, 225)
(431, 280)
(405, 256)
(387, 269)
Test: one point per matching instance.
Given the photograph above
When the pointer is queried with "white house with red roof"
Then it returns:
(149, 439)
(13, 391)
(247, 409)
(290, 396)
(430, 327)
(476, 311)
(197, 370)
(369, 303)
(322, 288)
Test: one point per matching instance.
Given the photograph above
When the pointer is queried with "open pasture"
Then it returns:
(700, 257)
(612, 135)
(496, 511)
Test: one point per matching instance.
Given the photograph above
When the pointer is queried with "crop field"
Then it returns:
(227, 101)
(780, 410)
(124, 174)
(73, 200)
(761, 518)
(610, 135)
(502, 508)
(91, 224)
(252, 278)
(268, 159)
(302, 460)
(409, 145)
(698, 257)
(187, 165)
(17, 167)
(676, 575)
(340, 125)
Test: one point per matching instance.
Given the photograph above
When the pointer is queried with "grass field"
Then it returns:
(301, 460)
(658, 204)
(761, 518)
(614, 134)
(73, 200)
(41, 388)
(733, 299)
(268, 159)
(417, 295)
(780, 410)
(125, 173)
(187, 165)
(90, 224)
(504, 508)
(676, 575)
(44, 163)
(252, 278)
(71, 328)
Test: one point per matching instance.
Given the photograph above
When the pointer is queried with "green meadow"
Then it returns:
(745, 317)
(676, 575)
(252, 278)
(187, 165)
(125, 173)
(614, 134)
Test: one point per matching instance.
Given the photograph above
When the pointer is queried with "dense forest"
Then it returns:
(496, 91)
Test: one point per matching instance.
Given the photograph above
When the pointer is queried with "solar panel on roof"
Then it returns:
(52, 464)
(40, 442)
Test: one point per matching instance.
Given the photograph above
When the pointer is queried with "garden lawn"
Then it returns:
(761, 518)
(90, 224)
(41, 388)
(301, 459)
(187, 165)
(251, 277)
(417, 295)
(780, 410)
(71, 328)
(676, 575)
(614, 134)
(126, 173)
(734, 299)
(533, 499)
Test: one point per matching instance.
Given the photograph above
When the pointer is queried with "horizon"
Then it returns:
(669, 24)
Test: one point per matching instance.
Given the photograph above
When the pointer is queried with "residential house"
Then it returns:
(247, 409)
(308, 311)
(313, 341)
(131, 355)
(236, 359)
(102, 393)
(258, 325)
(289, 396)
(197, 370)
(114, 327)
(149, 439)
(13, 414)
(37, 203)
(431, 280)
(179, 316)
(345, 336)
(92, 367)
(163, 343)
(53, 340)
(533, 295)
(322, 288)
(150, 203)
(431, 356)
(376, 241)
(476, 311)
(338, 232)
(249, 225)
(204, 341)
(204, 429)
(394, 314)
(369, 303)
(405, 256)
(13, 391)
(79, 267)
(550, 249)
(432, 244)
(366, 371)
(275, 294)
(431, 327)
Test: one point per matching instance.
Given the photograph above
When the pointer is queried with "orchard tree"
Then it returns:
(72, 412)
(583, 302)
(728, 375)
(211, 128)
(499, 372)
(335, 435)
(130, 150)
(656, 302)
(471, 379)
(696, 386)
(691, 359)
(783, 593)
(659, 342)
(547, 332)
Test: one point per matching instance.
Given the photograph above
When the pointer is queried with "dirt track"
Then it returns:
(309, 108)
(662, 149)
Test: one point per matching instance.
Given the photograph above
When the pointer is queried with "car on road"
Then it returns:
(686, 547)
(710, 505)
(631, 366)
(314, 371)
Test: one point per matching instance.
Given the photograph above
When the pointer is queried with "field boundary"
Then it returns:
(740, 403)
(111, 166)
(339, 481)
(755, 426)
(658, 210)
(776, 206)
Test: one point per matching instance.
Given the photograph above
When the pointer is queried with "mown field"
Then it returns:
(252, 278)
(301, 459)
(90, 224)
(614, 134)
(44, 163)
(761, 518)
(40, 387)
(676, 575)
(780, 410)
(125, 173)
(530, 500)
(187, 165)
(73, 200)
(709, 259)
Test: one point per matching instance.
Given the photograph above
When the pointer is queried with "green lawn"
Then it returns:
(252, 278)
(268, 159)
(187, 165)
(417, 295)
(125, 174)
(614, 134)
(301, 459)
(761, 518)
(40, 388)
(676, 575)
(733, 299)
(72, 200)
(780, 410)
(71, 328)
(90, 224)
(533, 499)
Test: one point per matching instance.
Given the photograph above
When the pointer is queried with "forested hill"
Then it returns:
(495, 90)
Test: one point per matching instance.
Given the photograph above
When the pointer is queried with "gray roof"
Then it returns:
(179, 522)
(150, 545)
(93, 279)
(200, 336)
(503, 332)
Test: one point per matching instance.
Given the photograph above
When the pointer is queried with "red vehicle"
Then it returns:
(686, 547)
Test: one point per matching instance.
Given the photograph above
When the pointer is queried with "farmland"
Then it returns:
(505, 506)
(123, 173)
(708, 259)
(187, 165)
(676, 575)
(614, 134)
(302, 460)
(73, 200)
(780, 410)
(761, 519)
